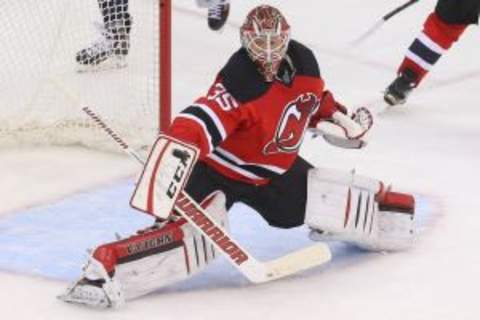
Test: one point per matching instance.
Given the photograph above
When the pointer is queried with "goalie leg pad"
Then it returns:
(358, 210)
(147, 261)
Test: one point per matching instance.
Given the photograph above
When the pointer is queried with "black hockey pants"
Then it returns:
(281, 203)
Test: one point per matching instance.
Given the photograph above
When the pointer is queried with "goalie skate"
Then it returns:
(109, 51)
(102, 292)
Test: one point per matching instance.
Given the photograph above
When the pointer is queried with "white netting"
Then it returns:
(42, 92)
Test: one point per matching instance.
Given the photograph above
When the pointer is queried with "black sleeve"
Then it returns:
(303, 59)
(242, 79)
(458, 11)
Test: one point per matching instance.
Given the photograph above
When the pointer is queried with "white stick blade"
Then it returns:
(300, 260)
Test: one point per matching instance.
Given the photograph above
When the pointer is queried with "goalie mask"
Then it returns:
(265, 35)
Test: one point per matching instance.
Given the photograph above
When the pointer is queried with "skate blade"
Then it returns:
(112, 63)
(71, 299)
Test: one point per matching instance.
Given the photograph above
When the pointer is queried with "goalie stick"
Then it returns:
(380, 22)
(256, 271)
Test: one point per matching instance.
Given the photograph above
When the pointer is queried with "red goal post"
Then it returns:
(165, 64)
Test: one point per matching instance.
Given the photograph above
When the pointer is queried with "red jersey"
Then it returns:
(251, 130)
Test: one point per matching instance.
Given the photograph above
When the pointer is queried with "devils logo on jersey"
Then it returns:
(293, 122)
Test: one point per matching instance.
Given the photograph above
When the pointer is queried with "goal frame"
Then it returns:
(165, 52)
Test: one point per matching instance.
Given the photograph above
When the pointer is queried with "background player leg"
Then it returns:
(114, 43)
(441, 30)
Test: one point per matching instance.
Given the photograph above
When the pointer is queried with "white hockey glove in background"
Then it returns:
(346, 131)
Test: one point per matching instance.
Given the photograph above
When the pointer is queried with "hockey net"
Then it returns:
(43, 87)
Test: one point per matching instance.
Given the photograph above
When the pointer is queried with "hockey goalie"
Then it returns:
(240, 143)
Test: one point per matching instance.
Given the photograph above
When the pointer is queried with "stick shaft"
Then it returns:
(381, 21)
(398, 9)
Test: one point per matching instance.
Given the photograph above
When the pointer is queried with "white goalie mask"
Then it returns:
(265, 35)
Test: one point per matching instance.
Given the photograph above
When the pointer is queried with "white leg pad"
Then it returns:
(150, 273)
(358, 210)
(145, 262)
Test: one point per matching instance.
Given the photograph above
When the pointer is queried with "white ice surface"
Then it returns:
(429, 147)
